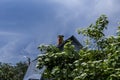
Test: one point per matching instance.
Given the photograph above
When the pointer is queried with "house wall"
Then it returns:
(33, 73)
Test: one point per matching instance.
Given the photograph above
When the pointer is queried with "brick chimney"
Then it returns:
(60, 39)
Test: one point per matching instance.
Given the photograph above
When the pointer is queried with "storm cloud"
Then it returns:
(24, 24)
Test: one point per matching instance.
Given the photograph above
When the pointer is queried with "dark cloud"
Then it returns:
(40, 21)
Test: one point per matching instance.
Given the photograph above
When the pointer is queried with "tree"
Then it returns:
(10, 72)
(6, 72)
(100, 63)
(20, 70)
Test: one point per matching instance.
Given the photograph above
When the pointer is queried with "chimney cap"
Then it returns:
(60, 36)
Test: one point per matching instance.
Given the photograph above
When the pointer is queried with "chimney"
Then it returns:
(60, 39)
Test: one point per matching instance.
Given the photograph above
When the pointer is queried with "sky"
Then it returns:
(26, 24)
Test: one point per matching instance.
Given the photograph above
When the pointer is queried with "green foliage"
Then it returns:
(87, 63)
(47, 48)
(95, 31)
(9, 72)
(60, 62)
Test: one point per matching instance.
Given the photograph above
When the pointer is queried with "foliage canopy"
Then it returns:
(100, 63)
(9, 72)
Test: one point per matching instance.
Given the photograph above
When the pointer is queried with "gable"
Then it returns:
(75, 42)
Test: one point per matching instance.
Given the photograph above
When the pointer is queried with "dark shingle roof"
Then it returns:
(73, 39)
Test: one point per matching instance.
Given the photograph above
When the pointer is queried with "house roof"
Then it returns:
(33, 71)
(73, 39)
